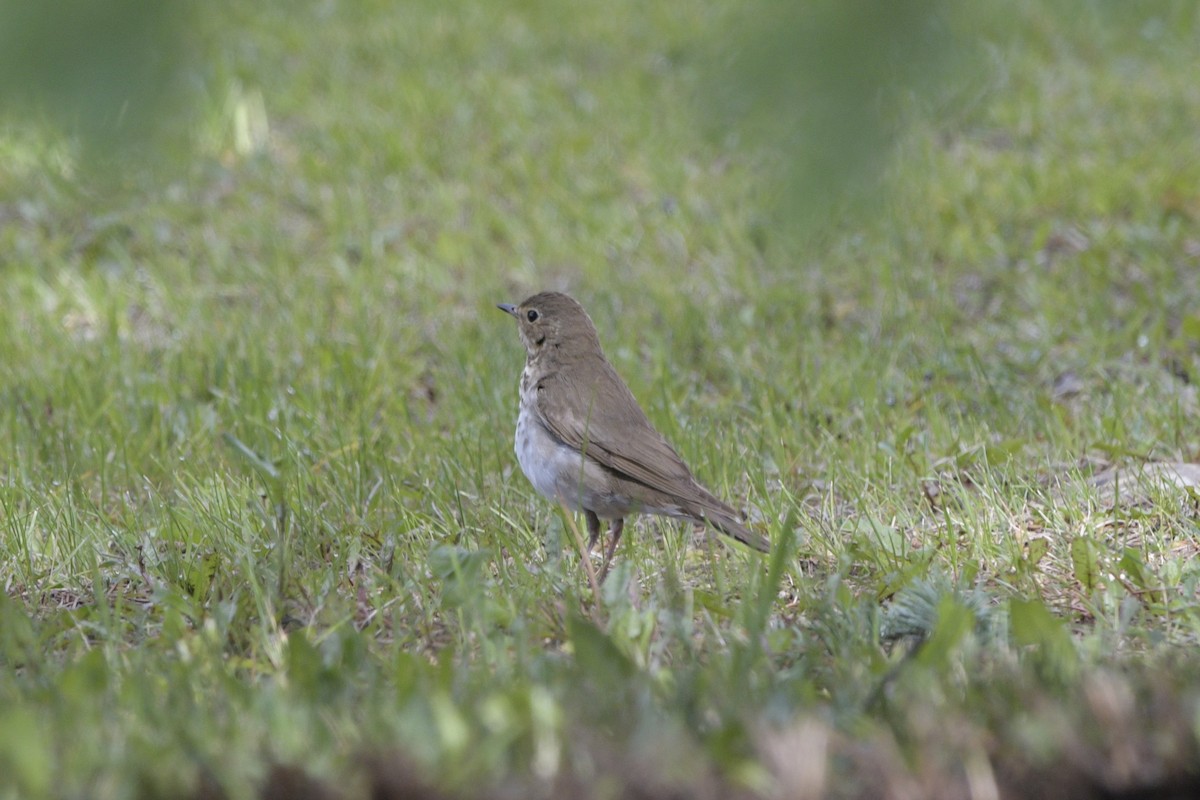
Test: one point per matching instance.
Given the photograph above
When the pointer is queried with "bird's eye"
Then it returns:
(532, 315)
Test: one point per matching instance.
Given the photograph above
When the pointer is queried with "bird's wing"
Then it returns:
(599, 416)
(602, 419)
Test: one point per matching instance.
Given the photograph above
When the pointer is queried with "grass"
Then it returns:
(262, 532)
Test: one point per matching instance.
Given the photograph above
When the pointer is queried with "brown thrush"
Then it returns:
(583, 440)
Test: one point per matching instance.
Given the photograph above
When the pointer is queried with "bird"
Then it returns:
(582, 439)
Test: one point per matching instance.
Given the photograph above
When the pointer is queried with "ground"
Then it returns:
(262, 531)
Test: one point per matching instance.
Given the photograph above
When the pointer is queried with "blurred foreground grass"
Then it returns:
(262, 529)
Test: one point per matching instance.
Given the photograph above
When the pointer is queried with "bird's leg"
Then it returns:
(614, 534)
(593, 526)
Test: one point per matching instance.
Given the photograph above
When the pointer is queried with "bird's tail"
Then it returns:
(727, 523)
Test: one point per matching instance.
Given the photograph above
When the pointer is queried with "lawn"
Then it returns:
(262, 530)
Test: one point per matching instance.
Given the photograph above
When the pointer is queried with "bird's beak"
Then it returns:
(507, 307)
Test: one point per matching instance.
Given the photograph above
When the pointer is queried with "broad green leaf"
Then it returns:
(954, 622)
(1035, 551)
(303, 663)
(1085, 562)
(1131, 564)
(1034, 627)
(25, 753)
(597, 654)
(1189, 327)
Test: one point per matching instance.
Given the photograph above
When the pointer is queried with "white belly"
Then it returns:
(559, 473)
